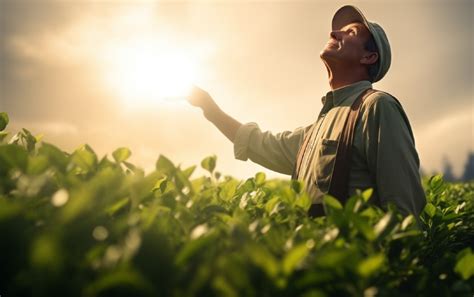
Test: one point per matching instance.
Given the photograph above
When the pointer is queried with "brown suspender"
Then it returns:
(340, 177)
(342, 167)
(301, 151)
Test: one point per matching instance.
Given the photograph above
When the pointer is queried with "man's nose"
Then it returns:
(336, 34)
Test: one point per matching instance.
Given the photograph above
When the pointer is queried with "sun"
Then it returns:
(146, 71)
(146, 61)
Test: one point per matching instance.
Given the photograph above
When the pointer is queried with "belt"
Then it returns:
(316, 210)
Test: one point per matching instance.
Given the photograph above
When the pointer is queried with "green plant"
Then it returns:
(75, 224)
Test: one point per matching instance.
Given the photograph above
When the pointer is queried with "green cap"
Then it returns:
(349, 14)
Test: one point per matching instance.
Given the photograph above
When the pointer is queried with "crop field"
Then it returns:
(76, 224)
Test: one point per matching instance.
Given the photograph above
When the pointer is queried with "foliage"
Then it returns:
(74, 224)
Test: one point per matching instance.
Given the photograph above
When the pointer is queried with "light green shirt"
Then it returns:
(383, 155)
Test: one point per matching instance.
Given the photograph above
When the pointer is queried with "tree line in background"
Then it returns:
(467, 175)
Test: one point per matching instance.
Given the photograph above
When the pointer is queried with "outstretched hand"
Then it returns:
(200, 98)
(225, 123)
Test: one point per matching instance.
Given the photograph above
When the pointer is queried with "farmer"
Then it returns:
(362, 137)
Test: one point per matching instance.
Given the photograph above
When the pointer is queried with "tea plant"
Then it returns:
(75, 224)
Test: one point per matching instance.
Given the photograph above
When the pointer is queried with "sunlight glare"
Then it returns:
(146, 72)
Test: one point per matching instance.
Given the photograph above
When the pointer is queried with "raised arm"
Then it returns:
(225, 123)
(276, 152)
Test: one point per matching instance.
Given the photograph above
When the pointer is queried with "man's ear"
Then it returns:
(369, 58)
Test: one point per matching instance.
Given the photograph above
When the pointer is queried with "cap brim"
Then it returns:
(346, 15)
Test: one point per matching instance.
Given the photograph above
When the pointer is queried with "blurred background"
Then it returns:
(93, 71)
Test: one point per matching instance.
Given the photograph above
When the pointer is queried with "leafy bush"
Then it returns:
(74, 224)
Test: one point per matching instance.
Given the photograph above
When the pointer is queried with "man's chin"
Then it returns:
(326, 54)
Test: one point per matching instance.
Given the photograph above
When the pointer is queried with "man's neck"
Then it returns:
(336, 84)
(339, 78)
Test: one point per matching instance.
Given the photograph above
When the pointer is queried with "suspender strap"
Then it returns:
(301, 151)
(340, 176)
(342, 166)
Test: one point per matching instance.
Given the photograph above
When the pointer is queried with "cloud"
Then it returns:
(83, 27)
(450, 136)
(52, 128)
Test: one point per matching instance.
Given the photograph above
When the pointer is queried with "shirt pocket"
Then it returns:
(324, 165)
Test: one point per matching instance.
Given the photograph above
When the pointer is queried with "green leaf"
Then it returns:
(85, 158)
(294, 257)
(209, 163)
(189, 171)
(165, 165)
(303, 201)
(228, 189)
(37, 164)
(436, 181)
(369, 213)
(3, 120)
(246, 187)
(182, 182)
(121, 154)
(135, 169)
(465, 264)
(371, 265)
(161, 184)
(436, 185)
(56, 157)
(271, 204)
(105, 162)
(352, 205)
(362, 224)
(27, 140)
(120, 204)
(407, 221)
(382, 226)
(430, 209)
(91, 195)
(367, 194)
(260, 178)
(409, 233)
(12, 156)
(332, 202)
(39, 137)
(297, 185)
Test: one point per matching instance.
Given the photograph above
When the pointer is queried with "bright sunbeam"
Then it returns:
(144, 71)
(144, 61)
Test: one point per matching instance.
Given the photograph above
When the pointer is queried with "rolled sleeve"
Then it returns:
(392, 157)
(276, 152)
(241, 141)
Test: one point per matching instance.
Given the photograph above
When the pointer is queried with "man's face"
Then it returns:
(347, 45)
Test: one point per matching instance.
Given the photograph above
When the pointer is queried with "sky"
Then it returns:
(68, 70)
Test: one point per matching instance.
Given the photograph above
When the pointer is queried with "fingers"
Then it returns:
(198, 92)
(196, 96)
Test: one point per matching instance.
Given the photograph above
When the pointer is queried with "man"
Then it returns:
(361, 138)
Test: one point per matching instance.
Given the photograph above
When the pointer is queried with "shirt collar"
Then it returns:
(347, 93)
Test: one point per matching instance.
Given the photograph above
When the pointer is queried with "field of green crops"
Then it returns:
(76, 224)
